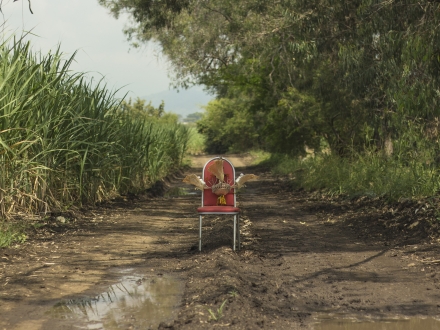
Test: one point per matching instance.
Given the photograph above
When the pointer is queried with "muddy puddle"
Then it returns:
(179, 191)
(390, 324)
(135, 302)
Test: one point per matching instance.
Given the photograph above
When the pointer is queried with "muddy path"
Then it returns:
(298, 263)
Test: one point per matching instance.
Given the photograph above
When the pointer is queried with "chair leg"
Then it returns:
(238, 230)
(200, 234)
(235, 231)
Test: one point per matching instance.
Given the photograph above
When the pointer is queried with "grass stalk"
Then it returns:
(64, 140)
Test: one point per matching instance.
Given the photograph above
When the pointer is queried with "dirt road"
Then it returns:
(301, 260)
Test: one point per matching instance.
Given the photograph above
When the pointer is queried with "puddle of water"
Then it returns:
(178, 191)
(133, 303)
(390, 324)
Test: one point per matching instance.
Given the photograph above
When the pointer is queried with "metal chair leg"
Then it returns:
(235, 231)
(200, 234)
(238, 230)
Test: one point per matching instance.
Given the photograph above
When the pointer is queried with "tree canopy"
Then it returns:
(141, 110)
(348, 72)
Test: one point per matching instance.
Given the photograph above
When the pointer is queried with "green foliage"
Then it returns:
(11, 233)
(365, 174)
(140, 110)
(152, 14)
(197, 141)
(296, 121)
(228, 126)
(233, 293)
(259, 157)
(217, 315)
(193, 117)
(354, 75)
(65, 142)
(355, 68)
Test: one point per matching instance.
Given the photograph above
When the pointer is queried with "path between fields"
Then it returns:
(294, 265)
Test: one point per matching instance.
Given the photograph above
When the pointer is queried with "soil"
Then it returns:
(303, 256)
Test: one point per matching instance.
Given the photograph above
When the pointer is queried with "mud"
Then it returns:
(303, 259)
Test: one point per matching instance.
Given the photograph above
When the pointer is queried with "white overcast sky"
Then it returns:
(87, 27)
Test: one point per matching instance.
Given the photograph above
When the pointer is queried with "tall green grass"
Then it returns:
(197, 141)
(12, 233)
(366, 174)
(64, 141)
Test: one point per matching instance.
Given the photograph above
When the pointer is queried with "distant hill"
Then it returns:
(183, 102)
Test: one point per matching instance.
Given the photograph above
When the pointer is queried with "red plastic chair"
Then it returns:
(209, 199)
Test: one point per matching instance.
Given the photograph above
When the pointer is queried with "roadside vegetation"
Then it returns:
(197, 142)
(344, 95)
(11, 233)
(66, 141)
(363, 175)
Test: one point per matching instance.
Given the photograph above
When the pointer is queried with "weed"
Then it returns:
(215, 316)
(38, 225)
(233, 293)
(11, 233)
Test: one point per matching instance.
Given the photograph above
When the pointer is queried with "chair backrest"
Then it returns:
(208, 197)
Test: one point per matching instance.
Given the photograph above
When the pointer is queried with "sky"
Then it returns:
(102, 49)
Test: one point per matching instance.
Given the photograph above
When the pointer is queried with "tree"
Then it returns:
(368, 65)
(228, 126)
(193, 117)
(141, 110)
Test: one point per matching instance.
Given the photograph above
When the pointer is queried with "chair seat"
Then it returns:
(218, 209)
